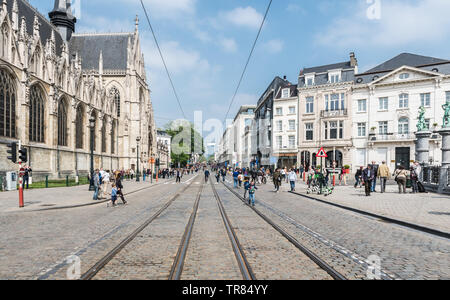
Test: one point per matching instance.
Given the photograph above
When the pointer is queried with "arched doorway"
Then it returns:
(331, 157)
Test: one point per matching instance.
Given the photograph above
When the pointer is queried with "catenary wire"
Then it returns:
(249, 58)
(163, 60)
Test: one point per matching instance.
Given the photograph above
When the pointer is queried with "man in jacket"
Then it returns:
(277, 180)
(375, 168)
(368, 177)
(383, 174)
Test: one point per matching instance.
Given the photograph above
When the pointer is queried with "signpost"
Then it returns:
(322, 154)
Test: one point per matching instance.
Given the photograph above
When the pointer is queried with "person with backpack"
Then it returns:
(207, 175)
(251, 193)
(414, 180)
(401, 176)
(292, 177)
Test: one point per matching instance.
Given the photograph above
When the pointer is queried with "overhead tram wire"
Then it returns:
(248, 60)
(163, 60)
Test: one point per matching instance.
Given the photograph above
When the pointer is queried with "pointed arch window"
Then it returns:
(37, 113)
(7, 105)
(62, 123)
(115, 95)
(104, 135)
(79, 128)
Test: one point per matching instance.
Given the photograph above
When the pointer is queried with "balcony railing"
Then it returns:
(333, 113)
(391, 137)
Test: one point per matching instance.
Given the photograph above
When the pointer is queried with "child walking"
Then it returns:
(113, 196)
(251, 193)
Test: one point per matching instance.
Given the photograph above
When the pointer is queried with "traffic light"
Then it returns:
(23, 152)
(13, 152)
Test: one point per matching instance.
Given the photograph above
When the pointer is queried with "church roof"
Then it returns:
(29, 12)
(113, 46)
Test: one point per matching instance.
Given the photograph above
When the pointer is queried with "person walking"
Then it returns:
(277, 179)
(383, 174)
(251, 193)
(218, 176)
(105, 183)
(246, 186)
(375, 168)
(358, 177)
(207, 175)
(224, 174)
(236, 178)
(368, 176)
(96, 184)
(179, 175)
(400, 177)
(414, 180)
(26, 177)
(119, 187)
(292, 177)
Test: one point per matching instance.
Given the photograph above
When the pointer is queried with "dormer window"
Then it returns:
(334, 77)
(285, 93)
(309, 80)
(404, 76)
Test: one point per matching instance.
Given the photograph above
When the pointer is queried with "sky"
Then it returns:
(206, 42)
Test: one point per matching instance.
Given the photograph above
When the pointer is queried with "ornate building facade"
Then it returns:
(53, 81)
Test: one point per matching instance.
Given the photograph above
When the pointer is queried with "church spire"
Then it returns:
(61, 16)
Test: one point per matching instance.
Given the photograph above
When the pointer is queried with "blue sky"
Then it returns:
(206, 42)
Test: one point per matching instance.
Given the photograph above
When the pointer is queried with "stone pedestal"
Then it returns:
(423, 147)
(443, 180)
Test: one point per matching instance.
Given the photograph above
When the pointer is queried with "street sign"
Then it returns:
(322, 153)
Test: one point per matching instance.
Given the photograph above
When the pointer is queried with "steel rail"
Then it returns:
(316, 259)
(178, 264)
(244, 266)
(88, 275)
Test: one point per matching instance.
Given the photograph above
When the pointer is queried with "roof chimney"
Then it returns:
(353, 60)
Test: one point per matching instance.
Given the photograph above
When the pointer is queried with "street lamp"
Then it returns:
(92, 127)
(138, 139)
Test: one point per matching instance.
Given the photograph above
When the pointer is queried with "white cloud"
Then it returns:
(274, 46)
(243, 16)
(229, 45)
(170, 7)
(401, 23)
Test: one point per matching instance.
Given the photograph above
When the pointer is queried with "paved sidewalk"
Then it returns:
(57, 198)
(428, 210)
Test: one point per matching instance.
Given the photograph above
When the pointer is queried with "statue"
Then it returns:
(446, 122)
(422, 126)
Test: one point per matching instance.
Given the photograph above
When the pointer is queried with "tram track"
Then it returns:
(310, 254)
(96, 268)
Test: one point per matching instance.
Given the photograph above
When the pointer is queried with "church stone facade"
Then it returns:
(54, 80)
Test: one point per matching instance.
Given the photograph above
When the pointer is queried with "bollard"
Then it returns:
(67, 180)
(46, 182)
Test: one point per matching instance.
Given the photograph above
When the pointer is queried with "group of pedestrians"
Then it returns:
(370, 175)
(106, 179)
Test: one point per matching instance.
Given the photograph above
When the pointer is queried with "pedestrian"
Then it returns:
(26, 177)
(218, 176)
(375, 170)
(292, 179)
(119, 187)
(358, 177)
(240, 179)
(96, 181)
(207, 175)
(368, 176)
(179, 175)
(246, 186)
(414, 180)
(105, 183)
(236, 179)
(277, 179)
(113, 196)
(224, 174)
(383, 174)
(400, 177)
(251, 193)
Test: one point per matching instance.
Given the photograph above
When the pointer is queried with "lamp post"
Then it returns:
(92, 127)
(138, 139)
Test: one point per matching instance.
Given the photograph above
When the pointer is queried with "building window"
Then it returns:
(403, 101)
(310, 105)
(403, 126)
(285, 93)
(326, 130)
(7, 105)
(362, 129)
(291, 125)
(37, 113)
(333, 130)
(383, 103)
(425, 100)
(334, 78)
(332, 102)
(309, 128)
(115, 95)
(79, 128)
(309, 80)
(341, 129)
(292, 110)
(62, 123)
(362, 105)
(383, 128)
(404, 76)
(103, 135)
(279, 142)
(280, 126)
(279, 111)
(291, 141)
